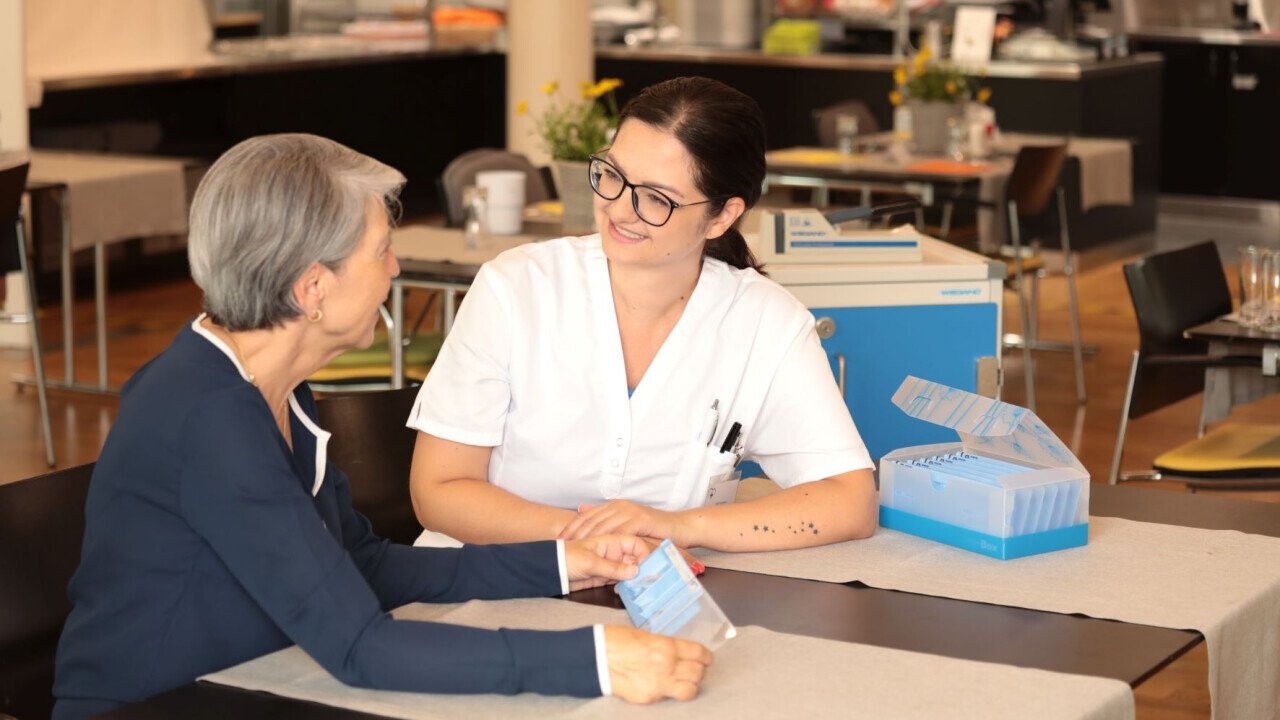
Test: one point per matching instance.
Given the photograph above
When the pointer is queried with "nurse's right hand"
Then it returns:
(646, 668)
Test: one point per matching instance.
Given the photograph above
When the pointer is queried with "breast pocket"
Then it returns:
(707, 477)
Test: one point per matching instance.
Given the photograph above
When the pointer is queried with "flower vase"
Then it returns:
(576, 195)
(931, 123)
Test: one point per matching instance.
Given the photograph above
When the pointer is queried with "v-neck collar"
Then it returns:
(606, 317)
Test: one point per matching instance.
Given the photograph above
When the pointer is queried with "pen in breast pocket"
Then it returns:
(731, 438)
(710, 423)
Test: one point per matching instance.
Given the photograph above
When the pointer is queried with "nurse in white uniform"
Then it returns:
(611, 383)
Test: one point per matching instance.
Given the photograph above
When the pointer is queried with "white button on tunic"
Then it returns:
(533, 368)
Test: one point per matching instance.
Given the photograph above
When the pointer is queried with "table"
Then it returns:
(437, 258)
(1106, 174)
(856, 613)
(102, 199)
(1225, 388)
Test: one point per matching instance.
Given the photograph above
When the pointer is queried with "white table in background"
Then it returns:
(105, 199)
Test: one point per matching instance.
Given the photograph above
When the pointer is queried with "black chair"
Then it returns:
(13, 256)
(1171, 292)
(372, 445)
(41, 529)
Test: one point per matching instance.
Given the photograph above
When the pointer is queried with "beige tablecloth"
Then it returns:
(1224, 583)
(113, 198)
(759, 673)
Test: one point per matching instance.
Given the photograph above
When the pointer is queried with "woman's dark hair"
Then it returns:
(723, 131)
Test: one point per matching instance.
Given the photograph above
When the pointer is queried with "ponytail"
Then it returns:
(732, 249)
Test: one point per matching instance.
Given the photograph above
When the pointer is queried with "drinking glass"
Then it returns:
(1254, 264)
(475, 212)
(846, 132)
(1271, 290)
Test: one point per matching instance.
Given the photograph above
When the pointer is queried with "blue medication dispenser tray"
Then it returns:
(666, 598)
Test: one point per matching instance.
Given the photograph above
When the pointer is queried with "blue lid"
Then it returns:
(985, 424)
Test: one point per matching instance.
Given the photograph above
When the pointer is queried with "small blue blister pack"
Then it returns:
(666, 598)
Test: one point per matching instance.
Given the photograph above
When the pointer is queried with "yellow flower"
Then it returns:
(925, 53)
(574, 128)
(950, 87)
(604, 86)
(900, 75)
(895, 98)
(984, 95)
(919, 61)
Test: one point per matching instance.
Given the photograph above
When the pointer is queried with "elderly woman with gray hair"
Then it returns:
(216, 531)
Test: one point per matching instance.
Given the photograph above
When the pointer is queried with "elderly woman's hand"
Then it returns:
(646, 668)
(603, 559)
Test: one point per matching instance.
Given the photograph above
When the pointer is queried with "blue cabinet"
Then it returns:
(936, 319)
(879, 346)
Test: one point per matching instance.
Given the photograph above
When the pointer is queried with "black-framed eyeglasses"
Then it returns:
(652, 206)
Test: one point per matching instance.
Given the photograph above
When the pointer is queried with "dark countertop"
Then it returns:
(848, 61)
(1208, 36)
(264, 55)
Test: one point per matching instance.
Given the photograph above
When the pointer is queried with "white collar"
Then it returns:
(204, 332)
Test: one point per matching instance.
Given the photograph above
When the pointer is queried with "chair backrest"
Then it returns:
(41, 530)
(461, 172)
(1173, 291)
(372, 445)
(13, 181)
(824, 120)
(1035, 174)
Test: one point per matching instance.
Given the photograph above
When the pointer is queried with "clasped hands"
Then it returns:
(628, 518)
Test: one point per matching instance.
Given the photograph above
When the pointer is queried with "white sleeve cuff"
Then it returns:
(602, 662)
(564, 568)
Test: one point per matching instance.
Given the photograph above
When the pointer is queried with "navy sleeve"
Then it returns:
(240, 493)
(401, 574)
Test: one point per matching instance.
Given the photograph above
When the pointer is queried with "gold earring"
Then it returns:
(317, 317)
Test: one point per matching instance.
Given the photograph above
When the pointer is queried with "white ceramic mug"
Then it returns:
(505, 190)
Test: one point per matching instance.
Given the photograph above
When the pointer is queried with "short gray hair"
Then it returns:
(268, 209)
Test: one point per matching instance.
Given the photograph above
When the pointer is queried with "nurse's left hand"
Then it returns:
(603, 559)
(628, 518)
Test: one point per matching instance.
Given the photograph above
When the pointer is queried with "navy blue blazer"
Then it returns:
(208, 542)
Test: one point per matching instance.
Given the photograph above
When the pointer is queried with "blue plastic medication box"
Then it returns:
(666, 598)
(1009, 488)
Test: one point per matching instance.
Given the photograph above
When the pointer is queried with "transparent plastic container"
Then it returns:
(666, 598)
(990, 499)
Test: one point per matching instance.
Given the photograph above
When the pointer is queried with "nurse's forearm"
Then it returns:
(840, 508)
(451, 494)
(475, 511)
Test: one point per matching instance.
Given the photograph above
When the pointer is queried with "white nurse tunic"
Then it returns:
(533, 368)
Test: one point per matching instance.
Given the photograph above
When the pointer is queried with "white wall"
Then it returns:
(13, 98)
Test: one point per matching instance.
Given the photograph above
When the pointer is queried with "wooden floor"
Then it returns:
(142, 321)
